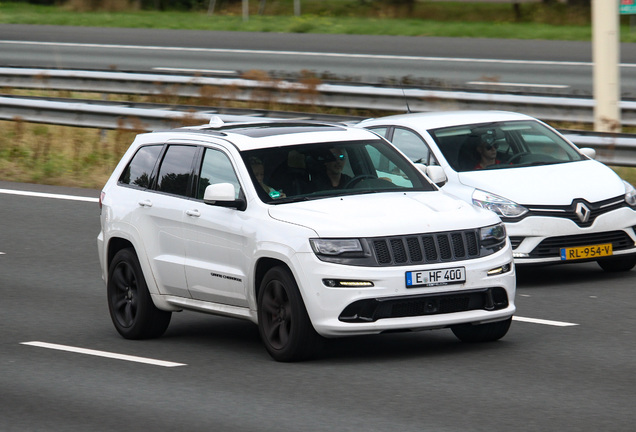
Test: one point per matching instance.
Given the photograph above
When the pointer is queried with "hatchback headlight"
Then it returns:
(500, 205)
(630, 194)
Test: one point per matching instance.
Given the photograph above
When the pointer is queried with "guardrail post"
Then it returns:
(605, 47)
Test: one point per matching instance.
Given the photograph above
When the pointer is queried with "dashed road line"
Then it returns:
(48, 195)
(105, 354)
(544, 322)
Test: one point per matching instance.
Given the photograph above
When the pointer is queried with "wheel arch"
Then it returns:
(262, 267)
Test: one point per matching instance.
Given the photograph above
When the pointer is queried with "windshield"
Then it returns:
(310, 171)
(502, 145)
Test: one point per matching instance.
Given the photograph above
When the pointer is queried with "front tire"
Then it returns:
(283, 322)
(619, 264)
(482, 332)
(132, 311)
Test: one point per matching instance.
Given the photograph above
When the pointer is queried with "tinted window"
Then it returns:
(317, 170)
(515, 143)
(139, 170)
(176, 170)
(216, 168)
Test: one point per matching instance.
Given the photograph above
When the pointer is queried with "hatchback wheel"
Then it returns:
(482, 332)
(131, 308)
(283, 322)
(619, 264)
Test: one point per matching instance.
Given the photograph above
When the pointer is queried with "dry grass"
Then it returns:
(59, 155)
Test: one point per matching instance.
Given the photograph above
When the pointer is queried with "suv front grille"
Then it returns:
(370, 310)
(551, 247)
(426, 248)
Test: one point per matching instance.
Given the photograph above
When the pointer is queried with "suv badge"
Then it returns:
(583, 212)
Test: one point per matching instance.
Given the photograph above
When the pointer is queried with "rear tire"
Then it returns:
(283, 322)
(482, 332)
(618, 264)
(132, 311)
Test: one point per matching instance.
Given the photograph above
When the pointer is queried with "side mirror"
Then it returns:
(222, 195)
(589, 152)
(435, 173)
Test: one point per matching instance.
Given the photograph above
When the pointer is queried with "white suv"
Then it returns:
(309, 230)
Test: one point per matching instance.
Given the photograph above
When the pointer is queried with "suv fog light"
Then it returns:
(335, 283)
(499, 270)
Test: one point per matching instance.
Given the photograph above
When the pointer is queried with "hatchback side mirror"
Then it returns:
(223, 195)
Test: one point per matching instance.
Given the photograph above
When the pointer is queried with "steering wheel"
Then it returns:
(357, 179)
(516, 157)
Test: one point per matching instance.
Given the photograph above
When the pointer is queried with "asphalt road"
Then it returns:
(546, 375)
(554, 67)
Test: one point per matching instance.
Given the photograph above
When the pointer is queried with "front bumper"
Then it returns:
(538, 240)
(390, 306)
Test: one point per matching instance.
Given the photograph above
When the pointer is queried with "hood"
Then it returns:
(383, 214)
(549, 184)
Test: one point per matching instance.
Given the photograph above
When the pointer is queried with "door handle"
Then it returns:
(145, 203)
(193, 213)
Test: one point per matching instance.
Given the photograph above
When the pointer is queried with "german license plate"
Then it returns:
(583, 252)
(446, 276)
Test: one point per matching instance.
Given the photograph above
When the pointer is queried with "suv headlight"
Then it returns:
(500, 205)
(630, 194)
(493, 237)
(333, 247)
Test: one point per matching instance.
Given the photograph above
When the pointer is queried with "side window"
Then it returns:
(412, 145)
(176, 170)
(139, 170)
(380, 130)
(216, 168)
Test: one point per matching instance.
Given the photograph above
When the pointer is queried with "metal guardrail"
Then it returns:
(613, 149)
(385, 98)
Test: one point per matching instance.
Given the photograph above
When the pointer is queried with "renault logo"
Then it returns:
(583, 212)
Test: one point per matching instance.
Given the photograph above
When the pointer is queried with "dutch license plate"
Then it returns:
(583, 252)
(453, 275)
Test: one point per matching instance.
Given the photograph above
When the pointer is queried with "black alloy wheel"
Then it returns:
(131, 308)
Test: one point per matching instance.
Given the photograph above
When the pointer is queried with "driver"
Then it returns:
(332, 177)
(487, 151)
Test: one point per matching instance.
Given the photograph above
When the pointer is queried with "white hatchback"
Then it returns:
(559, 205)
(309, 230)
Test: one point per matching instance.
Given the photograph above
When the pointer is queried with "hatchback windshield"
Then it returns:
(502, 145)
(291, 173)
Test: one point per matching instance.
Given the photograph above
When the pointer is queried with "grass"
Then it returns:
(451, 19)
(81, 157)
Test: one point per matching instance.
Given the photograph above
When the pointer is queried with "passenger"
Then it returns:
(259, 172)
(332, 177)
(487, 151)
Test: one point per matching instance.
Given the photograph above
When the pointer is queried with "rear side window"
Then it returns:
(175, 172)
(139, 170)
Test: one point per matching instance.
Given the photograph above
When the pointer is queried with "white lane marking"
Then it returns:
(48, 195)
(544, 322)
(213, 71)
(491, 83)
(104, 354)
(308, 54)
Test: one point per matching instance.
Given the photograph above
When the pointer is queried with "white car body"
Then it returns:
(570, 204)
(202, 254)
